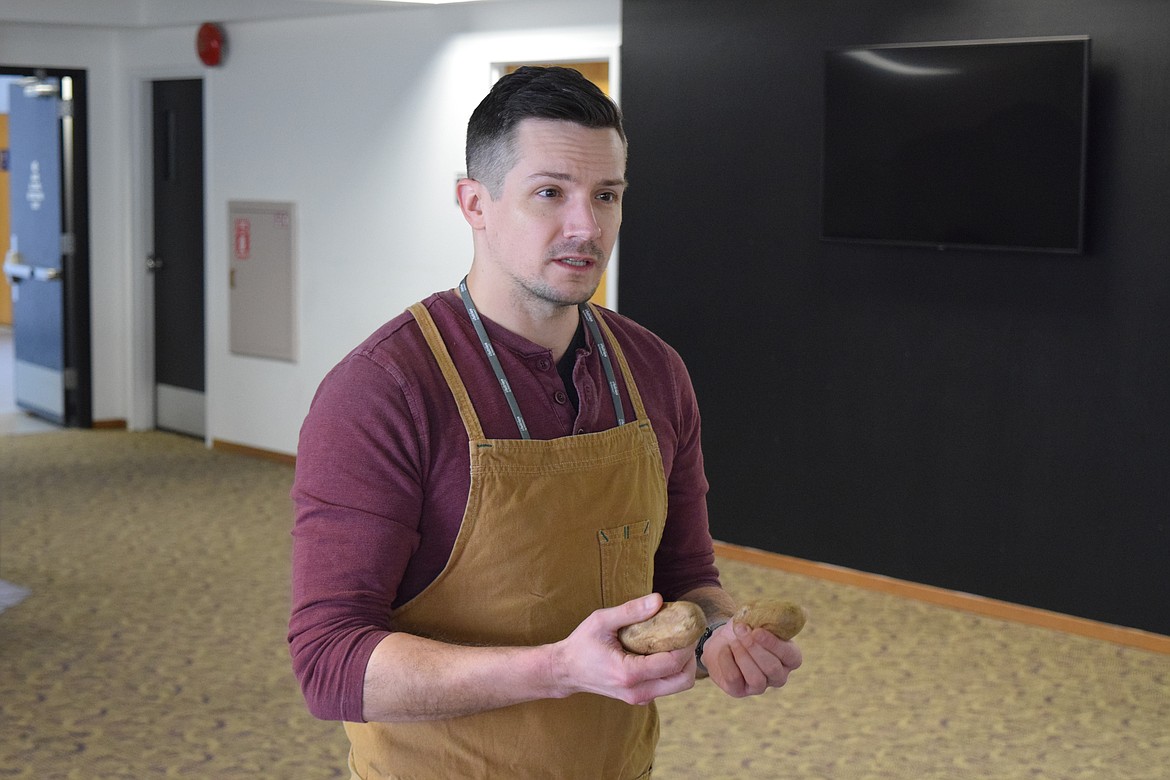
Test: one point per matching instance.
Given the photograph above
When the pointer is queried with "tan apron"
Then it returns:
(553, 530)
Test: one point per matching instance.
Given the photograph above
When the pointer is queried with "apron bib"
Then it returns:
(553, 530)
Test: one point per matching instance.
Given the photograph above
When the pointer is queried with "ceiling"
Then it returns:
(171, 13)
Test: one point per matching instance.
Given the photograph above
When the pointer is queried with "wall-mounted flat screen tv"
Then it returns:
(964, 144)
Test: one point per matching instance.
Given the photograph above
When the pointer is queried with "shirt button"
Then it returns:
(560, 397)
(544, 364)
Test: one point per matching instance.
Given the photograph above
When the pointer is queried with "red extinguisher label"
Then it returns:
(243, 239)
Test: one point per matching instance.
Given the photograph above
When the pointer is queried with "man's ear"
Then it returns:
(472, 196)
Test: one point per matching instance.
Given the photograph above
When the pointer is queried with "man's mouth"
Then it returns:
(578, 256)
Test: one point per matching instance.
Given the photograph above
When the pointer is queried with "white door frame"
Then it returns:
(141, 392)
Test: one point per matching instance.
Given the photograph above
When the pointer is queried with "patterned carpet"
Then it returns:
(152, 645)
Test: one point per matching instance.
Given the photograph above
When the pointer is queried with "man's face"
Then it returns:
(550, 232)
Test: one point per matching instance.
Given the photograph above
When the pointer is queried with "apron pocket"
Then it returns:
(627, 562)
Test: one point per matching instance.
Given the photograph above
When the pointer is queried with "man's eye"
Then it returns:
(548, 192)
(608, 197)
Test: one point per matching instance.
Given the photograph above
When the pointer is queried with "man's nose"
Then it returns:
(581, 221)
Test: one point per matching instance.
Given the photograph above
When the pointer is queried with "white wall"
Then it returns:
(357, 119)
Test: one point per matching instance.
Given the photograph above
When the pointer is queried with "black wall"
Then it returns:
(991, 422)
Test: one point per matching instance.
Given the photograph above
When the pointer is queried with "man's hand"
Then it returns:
(413, 678)
(592, 660)
(746, 662)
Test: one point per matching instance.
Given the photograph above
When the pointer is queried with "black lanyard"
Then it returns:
(506, 386)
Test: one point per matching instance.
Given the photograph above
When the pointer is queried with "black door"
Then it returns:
(177, 260)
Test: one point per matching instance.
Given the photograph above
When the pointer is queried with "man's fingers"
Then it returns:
(663, 674)
(753, 661)
(633, 611)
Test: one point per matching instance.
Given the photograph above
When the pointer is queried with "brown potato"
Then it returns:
(676, 625)
(782, 618)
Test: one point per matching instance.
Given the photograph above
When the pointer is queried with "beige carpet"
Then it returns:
(152, 645)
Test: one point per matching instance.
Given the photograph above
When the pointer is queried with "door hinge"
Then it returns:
(69, 376)
(68, 244)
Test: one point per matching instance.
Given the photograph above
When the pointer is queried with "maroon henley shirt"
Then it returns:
(383, 474)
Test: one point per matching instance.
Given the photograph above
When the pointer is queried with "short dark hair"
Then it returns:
(531, 93)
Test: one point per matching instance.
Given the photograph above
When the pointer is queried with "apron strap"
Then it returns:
(435, 341)
(463, 401)
(616, 349)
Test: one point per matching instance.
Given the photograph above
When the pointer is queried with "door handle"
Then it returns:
(18, 271)
(14, 267)
(153, 262)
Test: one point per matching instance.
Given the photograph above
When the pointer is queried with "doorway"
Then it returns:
(175, 263)
(47, 365)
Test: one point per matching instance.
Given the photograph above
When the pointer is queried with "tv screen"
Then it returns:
(965, 144)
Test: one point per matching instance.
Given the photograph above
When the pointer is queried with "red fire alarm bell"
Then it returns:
(211, 44)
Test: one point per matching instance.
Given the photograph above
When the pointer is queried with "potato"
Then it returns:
(782, 618)
(676, 625)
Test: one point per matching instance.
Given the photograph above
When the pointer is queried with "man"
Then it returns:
(496, 481)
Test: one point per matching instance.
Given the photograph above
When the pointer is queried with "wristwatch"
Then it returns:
(711, 628)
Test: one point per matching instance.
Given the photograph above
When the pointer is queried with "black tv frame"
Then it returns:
(1074, 247)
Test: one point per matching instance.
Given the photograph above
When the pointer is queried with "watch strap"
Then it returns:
(711, 629)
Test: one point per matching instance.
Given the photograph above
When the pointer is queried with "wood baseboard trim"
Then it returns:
(1002, 610)
(253, 452)
(109, 425)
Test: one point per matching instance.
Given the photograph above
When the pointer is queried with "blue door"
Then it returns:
(35, 258)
